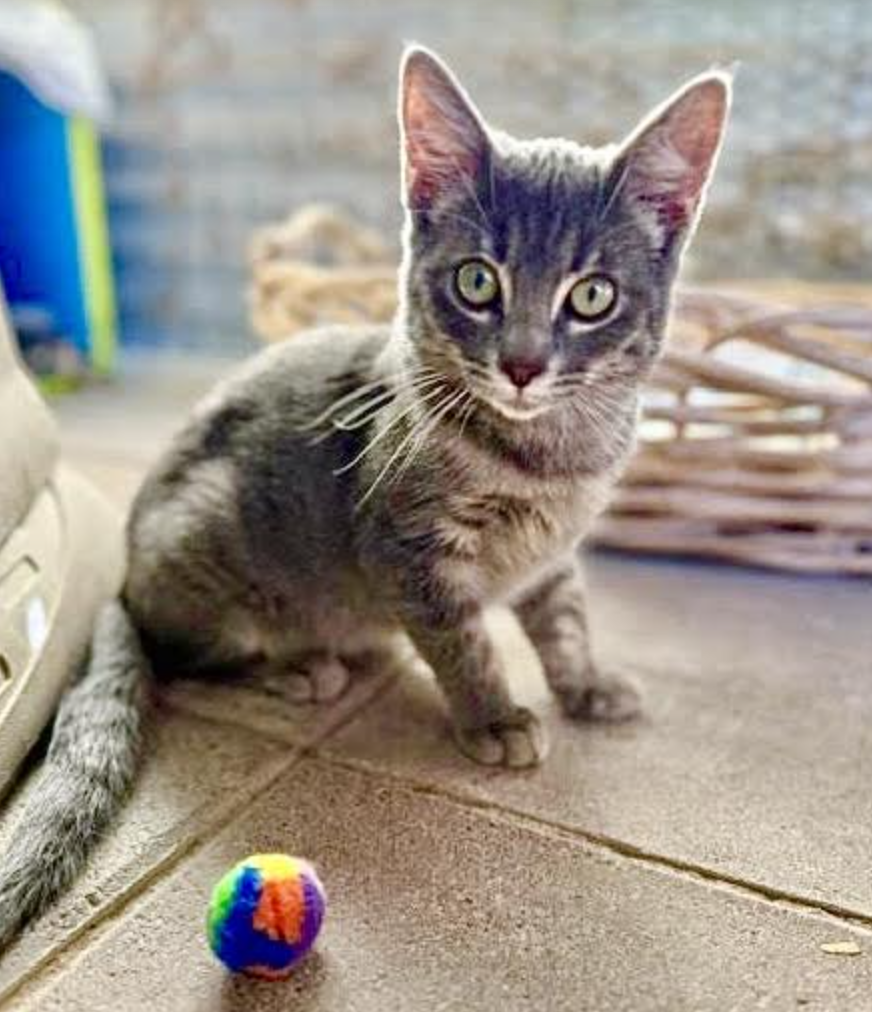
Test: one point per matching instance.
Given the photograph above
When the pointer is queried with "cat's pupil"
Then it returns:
(592, 298)
(476, 283)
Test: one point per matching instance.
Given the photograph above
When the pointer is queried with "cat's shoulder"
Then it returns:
(319, 352)
(299, 366)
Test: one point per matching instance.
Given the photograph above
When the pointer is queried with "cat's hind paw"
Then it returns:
(320, 680)
(516, 742)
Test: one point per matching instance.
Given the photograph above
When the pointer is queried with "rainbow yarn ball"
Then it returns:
(264, 915)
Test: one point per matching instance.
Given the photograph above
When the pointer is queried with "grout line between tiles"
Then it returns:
(114, 907)
(621, 849)
(330, 725)
(699, 873)
(104, 916)
(55, 960)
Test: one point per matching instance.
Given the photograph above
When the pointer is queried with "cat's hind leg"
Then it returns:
(319, 665)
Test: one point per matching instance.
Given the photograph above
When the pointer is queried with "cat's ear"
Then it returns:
(666, 163)
(445, 144)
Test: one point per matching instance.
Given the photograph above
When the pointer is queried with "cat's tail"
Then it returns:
(90, 764)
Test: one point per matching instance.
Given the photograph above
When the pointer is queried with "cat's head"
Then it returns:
(537, 274)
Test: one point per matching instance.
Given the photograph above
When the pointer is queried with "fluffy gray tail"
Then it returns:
(88, 770)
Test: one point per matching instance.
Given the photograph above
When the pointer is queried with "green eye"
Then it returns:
(477, 283)
(591, 298)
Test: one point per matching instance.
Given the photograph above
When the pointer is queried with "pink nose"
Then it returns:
(522, 371)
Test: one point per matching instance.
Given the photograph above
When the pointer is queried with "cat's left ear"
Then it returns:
(445, 144)
(666, 163)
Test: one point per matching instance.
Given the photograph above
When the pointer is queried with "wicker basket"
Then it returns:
(756, 443)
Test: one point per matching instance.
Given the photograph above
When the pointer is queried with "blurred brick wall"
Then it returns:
(232, 112)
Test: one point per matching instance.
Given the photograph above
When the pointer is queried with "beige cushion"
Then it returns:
(28, 440)
(60, 558)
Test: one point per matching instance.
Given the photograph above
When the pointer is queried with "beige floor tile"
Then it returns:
(436, 906)
(195, 775)
(754, 758)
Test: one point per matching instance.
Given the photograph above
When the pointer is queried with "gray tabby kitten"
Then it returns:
(357, 482)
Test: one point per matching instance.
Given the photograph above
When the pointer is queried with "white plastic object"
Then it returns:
(60, 559)
(53, 53)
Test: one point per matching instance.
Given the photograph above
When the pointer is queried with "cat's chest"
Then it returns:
(500, 539)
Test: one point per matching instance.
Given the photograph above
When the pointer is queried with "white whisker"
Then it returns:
(348, 398)
(397, 380)
(394, 456)
(363, 413)
(468, 412)
(601, 425)
(435, 417)
(409, 381)
(380, 435)
(424, 433)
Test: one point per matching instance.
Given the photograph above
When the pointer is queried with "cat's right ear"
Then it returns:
(445, 144)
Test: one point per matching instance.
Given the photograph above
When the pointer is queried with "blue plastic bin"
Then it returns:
(54, 248)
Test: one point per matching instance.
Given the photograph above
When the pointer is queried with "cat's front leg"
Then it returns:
(488, 726)
(554, 616)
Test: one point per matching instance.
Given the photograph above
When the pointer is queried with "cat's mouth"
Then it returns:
(519, 408)
(504, 399)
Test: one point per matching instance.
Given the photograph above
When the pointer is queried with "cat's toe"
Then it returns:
(298, 688)
(329, 679)
(523, 748)
(322, 681)
(611, 699)
(517, 742)
(480, 745)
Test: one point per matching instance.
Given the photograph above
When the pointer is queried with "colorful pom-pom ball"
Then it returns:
(265, 914)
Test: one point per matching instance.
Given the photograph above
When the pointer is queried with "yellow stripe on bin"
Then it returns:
(93, 241)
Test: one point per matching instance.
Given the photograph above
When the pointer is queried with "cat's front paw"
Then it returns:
(609, 699)
(517, 741)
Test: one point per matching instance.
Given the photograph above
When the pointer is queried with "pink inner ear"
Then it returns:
(428, 161)
(696, 134)
(671, 161)
(444, 142)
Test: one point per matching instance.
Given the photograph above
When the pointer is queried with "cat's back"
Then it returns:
(301, 376)
(264, 409)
